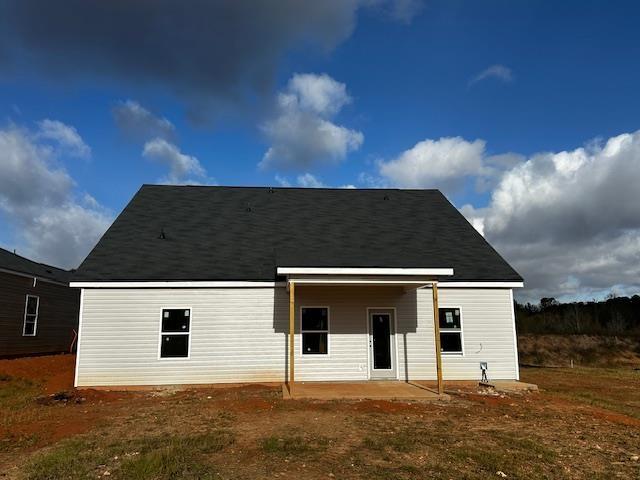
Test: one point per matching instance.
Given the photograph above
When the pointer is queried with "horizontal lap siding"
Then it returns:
(57, 316)
(488, 331)
(234, 337)
(241, 334)
(348, 342)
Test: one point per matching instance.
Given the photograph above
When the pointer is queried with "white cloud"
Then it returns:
(439, 163)
(307, 180)
(65, 136)
(499, 72)
(138, 123)
(302, 133)
(37, 196)
(182, 167)
(569, 222)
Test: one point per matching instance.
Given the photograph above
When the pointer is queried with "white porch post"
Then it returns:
(436, 329)
(292, 324)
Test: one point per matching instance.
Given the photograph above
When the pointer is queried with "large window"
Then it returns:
(450, 330)
(175, 332)
(30, 316)
(315, 330)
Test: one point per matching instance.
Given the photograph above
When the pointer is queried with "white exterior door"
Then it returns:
(382, 345)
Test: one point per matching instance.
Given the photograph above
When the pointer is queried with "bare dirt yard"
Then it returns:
(584, 423)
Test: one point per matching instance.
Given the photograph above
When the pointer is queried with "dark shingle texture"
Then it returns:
(244, 233)
(16, 263)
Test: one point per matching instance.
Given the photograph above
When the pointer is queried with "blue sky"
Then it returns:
(520, 77)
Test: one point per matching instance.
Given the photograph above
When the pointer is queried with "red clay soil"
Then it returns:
(54, 372)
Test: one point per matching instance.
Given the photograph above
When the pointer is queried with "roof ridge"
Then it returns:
(258, 187)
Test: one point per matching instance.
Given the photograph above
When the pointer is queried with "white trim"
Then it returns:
(327, 331)
(324, 281)
(261, 284)
(395, 339)
(515, 336)
(24, 318)
(453, 330)
(480, 284)
(188, 334)
(26, 275)
(75, 378)
(363, 271)
(180, 284)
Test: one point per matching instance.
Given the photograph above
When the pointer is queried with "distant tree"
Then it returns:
(611, 316)
(548, 302)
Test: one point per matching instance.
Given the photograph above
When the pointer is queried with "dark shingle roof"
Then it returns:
(244, 233)
(16, 263)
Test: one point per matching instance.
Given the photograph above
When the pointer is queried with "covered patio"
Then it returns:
(390, 385)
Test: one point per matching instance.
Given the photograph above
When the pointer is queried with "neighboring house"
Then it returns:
(38, 309)
(199, 285)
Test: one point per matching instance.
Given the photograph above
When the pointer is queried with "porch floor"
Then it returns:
(372, 390)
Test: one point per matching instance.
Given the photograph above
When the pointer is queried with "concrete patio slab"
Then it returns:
(505, 386)
(371, 390)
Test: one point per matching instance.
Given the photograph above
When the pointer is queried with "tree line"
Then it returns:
(612, 316)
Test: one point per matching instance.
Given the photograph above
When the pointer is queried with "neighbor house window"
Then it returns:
(450, 330)
(174, 335)
(315, 330)
(30, 316)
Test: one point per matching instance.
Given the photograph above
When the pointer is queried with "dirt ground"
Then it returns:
(584, 423)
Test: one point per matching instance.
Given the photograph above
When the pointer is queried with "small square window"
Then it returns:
(175, 320)
(29, 328)
(174, 346)
(450, 342)
(314, 319)
(314, 343)
(449, 317)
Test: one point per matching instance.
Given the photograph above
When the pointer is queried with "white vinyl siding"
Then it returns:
(241, 335)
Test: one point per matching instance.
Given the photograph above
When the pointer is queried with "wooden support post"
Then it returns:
(436, 329)
(292, 326)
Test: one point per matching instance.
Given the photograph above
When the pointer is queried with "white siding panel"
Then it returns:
(241, 334)
(487, 329)
(237, 335)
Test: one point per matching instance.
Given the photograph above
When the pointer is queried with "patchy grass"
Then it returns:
(294, 445)
(164, 457)
(616, 389)
(584, 424)
(15, 393)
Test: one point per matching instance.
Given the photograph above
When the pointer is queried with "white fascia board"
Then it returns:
(480, 284)
(194, 284)
(338, 281)
(362, 271)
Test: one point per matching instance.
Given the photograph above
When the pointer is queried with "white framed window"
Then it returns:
(30, 325)
(450, 319)
(314, 329)
(175, 332)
